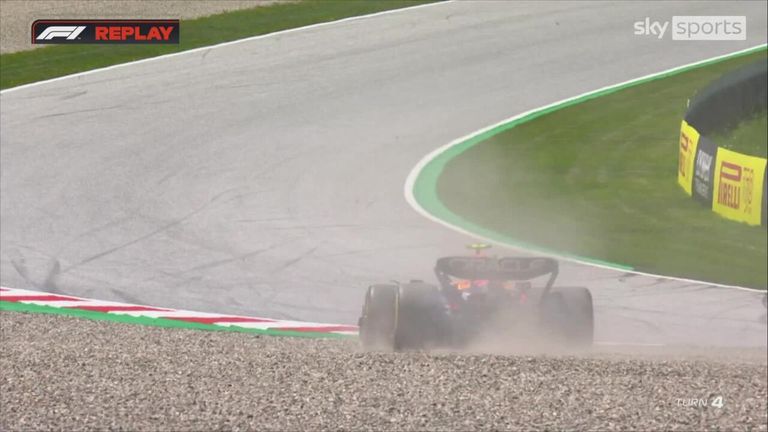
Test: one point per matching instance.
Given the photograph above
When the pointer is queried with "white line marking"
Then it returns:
(223, 44)
(413, 175)
(168, 314)
(69, 303)
(18, 291)
(250, 325)
(284, 325)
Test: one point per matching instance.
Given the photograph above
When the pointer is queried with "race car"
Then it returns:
(477, 296)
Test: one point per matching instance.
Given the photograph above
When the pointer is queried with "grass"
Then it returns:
(598, 179)
(750, 137)
(53, 61)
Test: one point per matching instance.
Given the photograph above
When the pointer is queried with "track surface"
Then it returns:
(265, 177)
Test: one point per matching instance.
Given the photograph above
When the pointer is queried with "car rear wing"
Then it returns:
(507, 268)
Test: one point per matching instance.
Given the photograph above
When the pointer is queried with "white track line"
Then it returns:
(410, 182)
(223, 44)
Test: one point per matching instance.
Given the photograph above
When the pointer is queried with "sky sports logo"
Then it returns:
(165, 31)
(696, 28)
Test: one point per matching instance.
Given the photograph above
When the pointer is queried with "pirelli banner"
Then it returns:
(730, 183)
(689, 142)
(739, 187)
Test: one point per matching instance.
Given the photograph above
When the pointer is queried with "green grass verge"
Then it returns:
(597, 178)
(750, 137)
(53, 61)
(156, 322)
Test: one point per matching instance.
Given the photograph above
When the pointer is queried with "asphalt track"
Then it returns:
(266, 177)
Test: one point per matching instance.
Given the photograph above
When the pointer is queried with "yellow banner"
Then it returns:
(738, 189)
(689, 140)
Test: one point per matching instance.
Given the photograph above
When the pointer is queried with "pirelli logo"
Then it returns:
(155, 31)
(738, 190)
(730, 185)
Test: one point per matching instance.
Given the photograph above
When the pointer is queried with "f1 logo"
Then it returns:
(105, 31)
(69, 32)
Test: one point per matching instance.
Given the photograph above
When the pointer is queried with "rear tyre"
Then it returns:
(568, 315)
(378, 323)
(421, 317)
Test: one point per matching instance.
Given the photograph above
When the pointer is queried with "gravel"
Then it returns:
(17, 16)
(71, 374)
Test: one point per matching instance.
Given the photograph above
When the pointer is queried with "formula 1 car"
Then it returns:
(477, 295)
